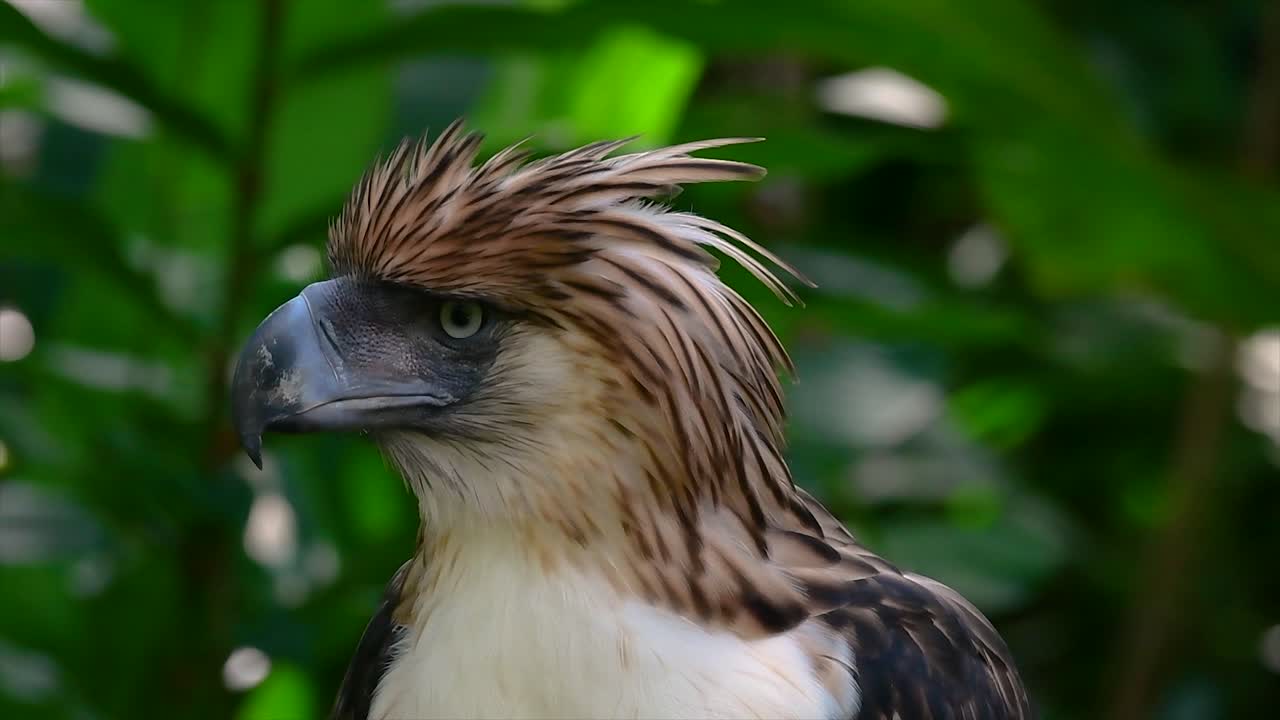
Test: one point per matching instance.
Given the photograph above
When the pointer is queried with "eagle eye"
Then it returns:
(461, 319)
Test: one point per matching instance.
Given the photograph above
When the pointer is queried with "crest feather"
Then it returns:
(579, 239)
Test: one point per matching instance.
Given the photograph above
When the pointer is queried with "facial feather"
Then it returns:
(653, 347)
(601, 467)
(634, 406)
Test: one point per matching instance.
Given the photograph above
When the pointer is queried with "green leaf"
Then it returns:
(948, 322)
(375, 501)
(286, 694)
(997, 565)
(1090, 219)
(307, 166)
(798, 143)
(1000, 412)
(975, 53)
(1243, 215)
(117, 75)
(47, 228)
(632, 82)
(323, 135)
(628, 81)
(20, 90)
(202, 54)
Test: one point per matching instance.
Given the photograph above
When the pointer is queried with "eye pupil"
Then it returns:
(461, 320)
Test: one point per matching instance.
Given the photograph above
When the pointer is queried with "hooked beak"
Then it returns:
(292, 377)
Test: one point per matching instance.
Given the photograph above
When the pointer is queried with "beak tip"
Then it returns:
(252, 445)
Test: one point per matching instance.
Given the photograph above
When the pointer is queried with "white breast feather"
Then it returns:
(501, 639)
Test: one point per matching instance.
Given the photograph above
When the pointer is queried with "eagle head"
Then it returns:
(534, 340)
(591, 421)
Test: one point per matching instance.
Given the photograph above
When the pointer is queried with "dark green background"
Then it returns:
(1038, 366)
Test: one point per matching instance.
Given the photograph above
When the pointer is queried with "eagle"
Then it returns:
(592, 424)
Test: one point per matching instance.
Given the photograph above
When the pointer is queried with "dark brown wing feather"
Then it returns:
(921, 652)
(372, 656)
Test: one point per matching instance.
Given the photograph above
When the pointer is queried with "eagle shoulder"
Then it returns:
(921, 652)
(373, 656)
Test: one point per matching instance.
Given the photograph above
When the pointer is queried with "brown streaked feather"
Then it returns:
(718, 531)
(924, 653)
(570, 238)
(921, 651)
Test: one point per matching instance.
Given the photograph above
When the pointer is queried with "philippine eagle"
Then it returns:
(591, 422)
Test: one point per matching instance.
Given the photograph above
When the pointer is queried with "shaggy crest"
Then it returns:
(662, 438)
(576, 240)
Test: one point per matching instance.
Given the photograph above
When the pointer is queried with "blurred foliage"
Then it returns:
(1018, 373)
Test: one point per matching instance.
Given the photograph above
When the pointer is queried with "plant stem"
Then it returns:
(1159, 608)
(238, 278)
(209, 551)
